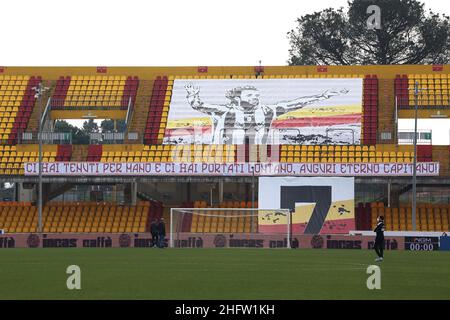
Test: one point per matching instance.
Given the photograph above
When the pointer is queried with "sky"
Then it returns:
(157, 33)
(154, 33)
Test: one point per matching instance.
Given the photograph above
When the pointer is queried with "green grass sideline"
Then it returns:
(138, 273)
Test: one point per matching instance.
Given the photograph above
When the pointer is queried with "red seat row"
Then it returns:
(25, 109)
(64, 152)
(151, 130)
(94, 153)
(370, 110)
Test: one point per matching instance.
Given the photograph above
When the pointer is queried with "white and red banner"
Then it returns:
(265, 111)
(228, 169)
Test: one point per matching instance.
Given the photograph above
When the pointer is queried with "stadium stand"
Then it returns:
(430, 217)
(288, 153)
(94, 92)
(76, 90)
(168, 153)
(344, 154)
(158, 111)
(12, 160)
(370, 110)
(16, 105)
(78, 217)
(94, 153)
(436, 92)
(84, 89)
(64, 153)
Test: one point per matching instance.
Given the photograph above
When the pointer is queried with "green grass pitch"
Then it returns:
(221, 274)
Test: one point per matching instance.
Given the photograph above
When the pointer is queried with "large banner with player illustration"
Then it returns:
(319, 205)
(265, 111)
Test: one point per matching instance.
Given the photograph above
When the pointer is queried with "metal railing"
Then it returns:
(90, 103)
(114, 137)
(426, 104)
(424, 137)
(45, 113)
(129, 115)
(47, 138)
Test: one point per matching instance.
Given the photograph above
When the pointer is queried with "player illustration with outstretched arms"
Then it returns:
(244, 116)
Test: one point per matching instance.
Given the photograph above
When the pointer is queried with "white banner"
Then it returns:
(265, 111)
(318, 204)
(270, 195)
(228, 169)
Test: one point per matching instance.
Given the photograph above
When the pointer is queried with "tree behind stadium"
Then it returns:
(408, 35)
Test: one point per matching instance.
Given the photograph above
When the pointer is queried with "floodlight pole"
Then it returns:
(39, 90)
(171, 229)
(253, 187)
(414, 182)
(40, 163)
(289, 224)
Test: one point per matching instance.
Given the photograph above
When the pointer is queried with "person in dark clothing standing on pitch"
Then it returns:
(379, 239)
(154, 232)
(162, 233)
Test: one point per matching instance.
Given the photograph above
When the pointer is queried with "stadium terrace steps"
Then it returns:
(401, 90)
(158, 111)
(16, 104)
(441, 154)
(436, 94)
(352, 153)
(79, 153)
(129, 92)
(370, 110)
(25, 109)
(140, 111)
(78, 217)
(429, 217)
(363, 216)
(94, 153)
(155, 94)
(12, 93)
(13, 157)
(60, 93)
(94, 92)
(386, 119)
(64, 153)
(55, 189)
(33, 123)
(288, 153)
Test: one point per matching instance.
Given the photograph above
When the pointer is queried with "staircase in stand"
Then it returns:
(79, 152)
(33, 123)
(386, 117)
(140, 111)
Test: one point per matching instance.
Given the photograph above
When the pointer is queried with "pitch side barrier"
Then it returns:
(194, 240)
(220, 240)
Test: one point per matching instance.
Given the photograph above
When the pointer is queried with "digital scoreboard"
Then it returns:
(421, 243)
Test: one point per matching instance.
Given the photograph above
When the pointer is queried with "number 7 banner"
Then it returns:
(319, 205)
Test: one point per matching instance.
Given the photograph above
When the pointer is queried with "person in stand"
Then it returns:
(162, 233)
(154, 232)
(379, 238)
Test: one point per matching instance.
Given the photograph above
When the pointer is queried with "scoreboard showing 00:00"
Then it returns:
(421, 243)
